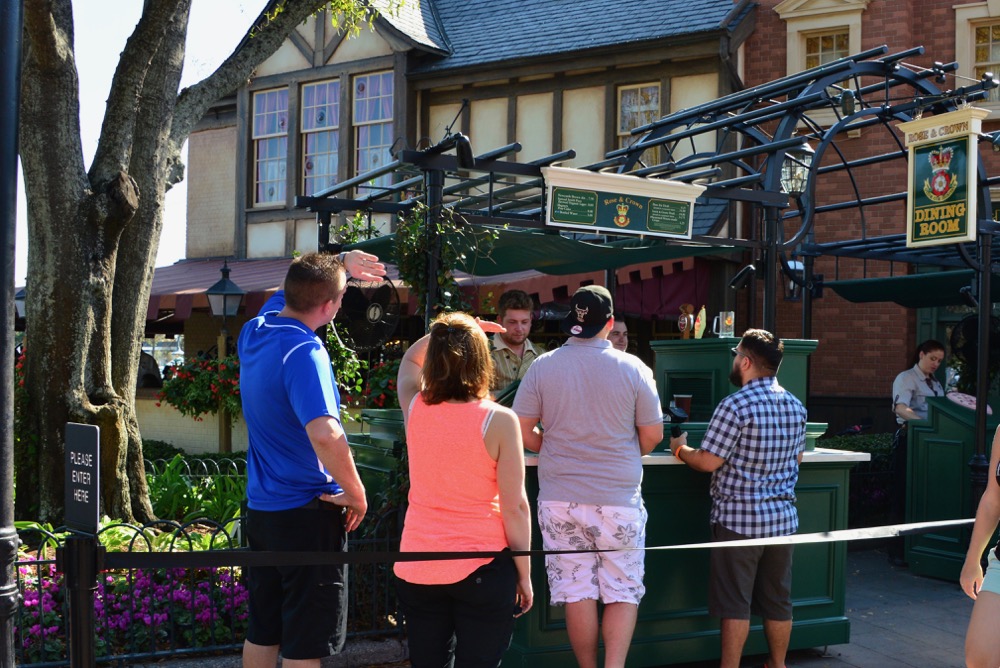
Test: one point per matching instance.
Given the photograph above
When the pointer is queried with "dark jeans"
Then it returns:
(897, 502)
(467, 624)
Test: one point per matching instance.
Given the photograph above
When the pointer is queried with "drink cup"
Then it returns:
(724, 324)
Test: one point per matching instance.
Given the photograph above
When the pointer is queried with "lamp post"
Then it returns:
(794, 181)
(224, 299)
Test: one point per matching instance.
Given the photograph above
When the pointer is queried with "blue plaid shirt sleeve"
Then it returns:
(723, 433)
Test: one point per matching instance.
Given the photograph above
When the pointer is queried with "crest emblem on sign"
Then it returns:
(942, 184)
(621, 220)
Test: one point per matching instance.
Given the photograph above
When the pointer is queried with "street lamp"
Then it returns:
(224, 297)
(224, 300)
(795, 169)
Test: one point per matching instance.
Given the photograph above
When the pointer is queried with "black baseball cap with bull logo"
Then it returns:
(589, 311)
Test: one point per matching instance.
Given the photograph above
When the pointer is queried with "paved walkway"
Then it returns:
(898, 620)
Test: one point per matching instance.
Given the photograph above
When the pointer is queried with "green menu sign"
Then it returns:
(619, 204)
(574, 206)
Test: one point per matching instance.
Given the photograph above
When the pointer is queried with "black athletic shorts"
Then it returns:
(301, 608)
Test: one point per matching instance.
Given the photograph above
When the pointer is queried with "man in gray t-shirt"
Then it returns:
(599, 414)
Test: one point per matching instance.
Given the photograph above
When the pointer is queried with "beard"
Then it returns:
(735, 377)
(513, 338)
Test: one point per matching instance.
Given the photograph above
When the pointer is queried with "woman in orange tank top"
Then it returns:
(466, 495)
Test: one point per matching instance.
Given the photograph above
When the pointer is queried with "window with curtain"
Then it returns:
(320, 135)
(270, 144)
(637, 106)
(373, 124)
(987, 54)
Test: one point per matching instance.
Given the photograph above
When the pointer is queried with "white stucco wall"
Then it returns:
(366, 44)
(439, 117)
(583, 124)
(266, 239)
(488, 124)
(534, 126)
(687, 92)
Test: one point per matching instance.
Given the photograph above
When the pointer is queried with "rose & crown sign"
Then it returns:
(941, 179)
(619, 203)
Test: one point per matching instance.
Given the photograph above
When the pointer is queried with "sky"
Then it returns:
(101, 29)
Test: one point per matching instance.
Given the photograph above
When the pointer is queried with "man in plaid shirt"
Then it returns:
(753, 448)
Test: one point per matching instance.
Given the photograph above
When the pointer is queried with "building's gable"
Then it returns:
(798, 8)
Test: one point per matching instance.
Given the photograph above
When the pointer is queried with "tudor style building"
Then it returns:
(324, 109)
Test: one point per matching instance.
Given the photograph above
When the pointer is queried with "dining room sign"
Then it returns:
(941, 178)
(619, 203)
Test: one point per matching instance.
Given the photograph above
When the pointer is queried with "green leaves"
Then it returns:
(455, 240)
(200, 386)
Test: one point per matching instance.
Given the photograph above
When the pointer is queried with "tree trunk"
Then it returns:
(93, 236)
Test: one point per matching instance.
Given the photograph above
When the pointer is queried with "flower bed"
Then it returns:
(136, 611)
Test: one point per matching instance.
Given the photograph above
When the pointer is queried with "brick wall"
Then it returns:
(862, 346)
(211, 193)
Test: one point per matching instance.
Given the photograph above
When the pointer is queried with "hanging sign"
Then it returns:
(941, 179)
(619, 203)
(83, 479)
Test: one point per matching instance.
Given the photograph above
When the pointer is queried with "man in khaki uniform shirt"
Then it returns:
(512, 352)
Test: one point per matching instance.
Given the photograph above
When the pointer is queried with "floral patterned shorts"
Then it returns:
(610, 577)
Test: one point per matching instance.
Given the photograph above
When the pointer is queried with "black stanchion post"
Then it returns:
(10, 100)
(81, 559)
(979, 463)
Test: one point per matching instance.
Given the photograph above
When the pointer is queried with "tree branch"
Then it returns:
(263, 39)
(142, 47)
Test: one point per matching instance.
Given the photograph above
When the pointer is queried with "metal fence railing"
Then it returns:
(151, 613)
(198, 467)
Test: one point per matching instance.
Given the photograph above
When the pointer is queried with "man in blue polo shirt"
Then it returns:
(753, 446)
(303, 490)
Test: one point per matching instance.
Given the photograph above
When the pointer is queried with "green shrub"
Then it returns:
(879, 446)
(871, 482)
(152, 449)
(177, 495)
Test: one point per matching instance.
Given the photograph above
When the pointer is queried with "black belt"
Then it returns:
(320, 504)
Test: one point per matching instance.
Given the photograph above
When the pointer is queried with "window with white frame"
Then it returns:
(320, 135)
(820, 31)
(638, 105)
(987, 53)
(270, 146)
(372, 119)
(977, 48)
